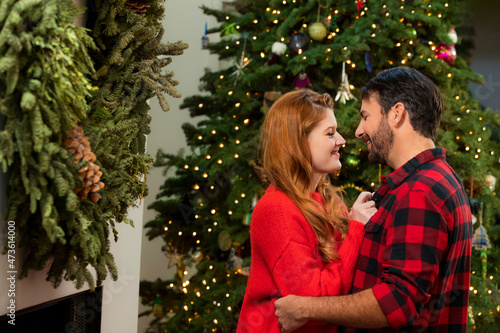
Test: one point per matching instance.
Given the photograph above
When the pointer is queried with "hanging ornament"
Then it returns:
(224, 241)
(480, 239)
(197, 255)
(453, 36)
(368, 62)
(248, 216)
(298, 43)
(446, 53)
(491, 181)
(344, 92)
(269, 98)
(174, 258)
(360, 4)
(137, 6)
(301, 81)
(204, 39)
(317, 31)
(412, 31)
(234, 262)
(78, 145)
(244, 61)
(352, 160)
(158, 307)
(277, 49)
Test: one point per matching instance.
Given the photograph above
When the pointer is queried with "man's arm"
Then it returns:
(357, 310)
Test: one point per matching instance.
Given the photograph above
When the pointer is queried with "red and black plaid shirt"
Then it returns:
(417, 248)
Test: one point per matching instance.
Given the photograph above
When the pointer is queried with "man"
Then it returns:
(413, 272)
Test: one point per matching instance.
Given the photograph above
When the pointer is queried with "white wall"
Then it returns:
(185, 21)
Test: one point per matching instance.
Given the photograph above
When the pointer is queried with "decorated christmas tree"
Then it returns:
(334, 46)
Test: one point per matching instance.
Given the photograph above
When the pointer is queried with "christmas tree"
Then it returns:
(334, 46)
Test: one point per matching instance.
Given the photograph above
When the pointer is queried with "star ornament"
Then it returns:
(174, 258)
(244, 61)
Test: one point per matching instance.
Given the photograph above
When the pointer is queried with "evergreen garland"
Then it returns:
(48, 86)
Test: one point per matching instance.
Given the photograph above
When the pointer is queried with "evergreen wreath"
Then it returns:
(63, 206)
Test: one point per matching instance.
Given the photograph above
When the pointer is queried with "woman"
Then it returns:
(303, 242)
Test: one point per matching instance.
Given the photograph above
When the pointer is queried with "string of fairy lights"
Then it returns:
(241, 123)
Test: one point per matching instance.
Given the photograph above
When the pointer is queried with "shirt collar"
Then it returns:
(397, 177)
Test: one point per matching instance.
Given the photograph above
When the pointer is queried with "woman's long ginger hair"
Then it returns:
(287, 161)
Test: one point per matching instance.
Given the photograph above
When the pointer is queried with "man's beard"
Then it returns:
(381, 143)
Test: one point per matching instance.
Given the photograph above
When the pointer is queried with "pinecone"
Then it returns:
(78, 145)
(137, 6)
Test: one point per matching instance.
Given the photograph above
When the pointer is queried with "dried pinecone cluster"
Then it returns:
(78, 145)
(137, 6)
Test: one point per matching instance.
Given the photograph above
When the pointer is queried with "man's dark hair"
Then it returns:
(416, 91)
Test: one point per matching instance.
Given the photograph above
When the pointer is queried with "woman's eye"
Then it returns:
(330, 134)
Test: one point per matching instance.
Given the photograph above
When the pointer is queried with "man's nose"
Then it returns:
(359, 132)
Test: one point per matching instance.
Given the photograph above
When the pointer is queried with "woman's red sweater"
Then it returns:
(286, 260)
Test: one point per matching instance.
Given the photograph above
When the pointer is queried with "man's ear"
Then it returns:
(399, 114)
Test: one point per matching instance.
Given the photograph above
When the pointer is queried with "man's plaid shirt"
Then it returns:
(417, 248)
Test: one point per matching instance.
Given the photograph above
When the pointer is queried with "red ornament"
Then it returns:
(446, 53)
(360, 4)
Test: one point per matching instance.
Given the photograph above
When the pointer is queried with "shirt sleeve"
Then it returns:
(417, 237)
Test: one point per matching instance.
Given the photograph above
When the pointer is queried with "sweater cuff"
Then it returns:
(356, 227)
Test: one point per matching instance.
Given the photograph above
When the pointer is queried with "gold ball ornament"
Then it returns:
(224, 241)
(317, 31)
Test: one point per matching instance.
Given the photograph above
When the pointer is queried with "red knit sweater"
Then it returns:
(286, 260)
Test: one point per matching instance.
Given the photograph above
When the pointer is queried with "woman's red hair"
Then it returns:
(287, 161)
